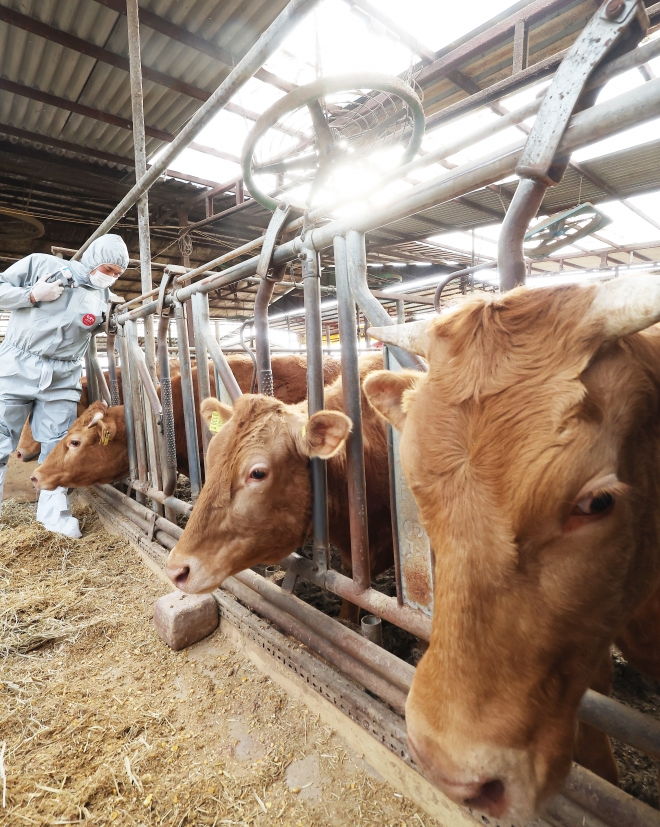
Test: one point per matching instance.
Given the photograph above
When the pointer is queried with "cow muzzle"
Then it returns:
(495, 781)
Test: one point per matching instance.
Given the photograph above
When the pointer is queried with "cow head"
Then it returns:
(255, 506)
(94, 451)
(531, 450)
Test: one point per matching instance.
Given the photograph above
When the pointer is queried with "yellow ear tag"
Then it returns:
(105, 438)
(304, 431)
(216, 423)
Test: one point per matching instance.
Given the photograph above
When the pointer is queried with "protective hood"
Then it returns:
(108, 249)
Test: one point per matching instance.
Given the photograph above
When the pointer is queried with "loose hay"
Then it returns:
(103, 724)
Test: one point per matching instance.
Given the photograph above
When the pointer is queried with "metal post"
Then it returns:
(132, 380)
(128, 404)
(132, 15)
(199, 305)
(356, 256)
(314, 346)
(352, 395)
(189, 412)
(262, 335)
(168, 443)
(93, 392)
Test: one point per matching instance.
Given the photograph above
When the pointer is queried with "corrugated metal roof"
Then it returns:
(39, 63)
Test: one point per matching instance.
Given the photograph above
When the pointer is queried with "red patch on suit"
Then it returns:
(89, 319)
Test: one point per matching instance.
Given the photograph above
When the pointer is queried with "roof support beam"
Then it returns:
(78, 108)
(488, 39)
(174, 32)
(69, 147)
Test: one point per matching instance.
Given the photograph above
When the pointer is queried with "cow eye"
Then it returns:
(258, 474)
(75, 443)
(599, 504)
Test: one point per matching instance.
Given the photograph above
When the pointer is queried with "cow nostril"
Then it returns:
(34, 480)
(490, 798)
(181, 576)
(19, 455)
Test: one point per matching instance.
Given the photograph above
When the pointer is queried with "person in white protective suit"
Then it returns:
(55, 306)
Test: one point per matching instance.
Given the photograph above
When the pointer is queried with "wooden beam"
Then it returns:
(520, 46)
(194, 41)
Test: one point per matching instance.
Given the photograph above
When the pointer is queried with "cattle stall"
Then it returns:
(149, 508)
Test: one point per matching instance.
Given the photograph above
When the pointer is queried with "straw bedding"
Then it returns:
(100, 723)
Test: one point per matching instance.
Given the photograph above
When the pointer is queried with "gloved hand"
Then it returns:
(46, 291)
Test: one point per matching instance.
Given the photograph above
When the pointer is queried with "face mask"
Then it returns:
(99, 279)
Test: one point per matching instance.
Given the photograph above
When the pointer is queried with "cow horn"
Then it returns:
(412, 336)
(629, 304)
(98, 416)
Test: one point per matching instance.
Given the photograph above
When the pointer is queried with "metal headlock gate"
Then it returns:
(146, 510)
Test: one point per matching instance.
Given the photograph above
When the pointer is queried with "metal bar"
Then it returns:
(131, 507)
(615, 115)
(194, 41)
(374, 657)
(606, 801)
(189, 412)
(391, 467)
(199, 305)
(373, 601)
(168, 447)
(222, 366)
(262, 336)
(47, 140)
(317, 643)
(128, 405)
(510, 256)
(174, 503)
(623, 723)
(409, 40)
(90, 374)
(135, 67)
(132, 380)
(352, 398)
(101, 384)
(85, 47)
(356, 257)
(315, 400)
(147, 383)
(112, 367)
(79, 108)
(258, 54)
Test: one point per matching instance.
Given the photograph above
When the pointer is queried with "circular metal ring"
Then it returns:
(304, 95)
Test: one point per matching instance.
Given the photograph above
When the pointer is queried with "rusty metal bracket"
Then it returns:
(275, 227)
(603, 31)
(165, 282)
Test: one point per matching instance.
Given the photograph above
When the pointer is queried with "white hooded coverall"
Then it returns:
(41, 356)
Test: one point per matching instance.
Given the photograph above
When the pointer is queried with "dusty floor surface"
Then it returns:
(101, 723)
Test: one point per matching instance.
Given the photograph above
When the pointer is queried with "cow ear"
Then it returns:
(324, 433)
(386, 390)
(215, 414)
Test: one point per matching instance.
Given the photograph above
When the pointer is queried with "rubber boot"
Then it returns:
(54, 514)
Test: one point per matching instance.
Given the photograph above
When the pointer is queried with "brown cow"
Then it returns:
(28, 448)
(532, 450)
(256, 504)
(96, 463)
